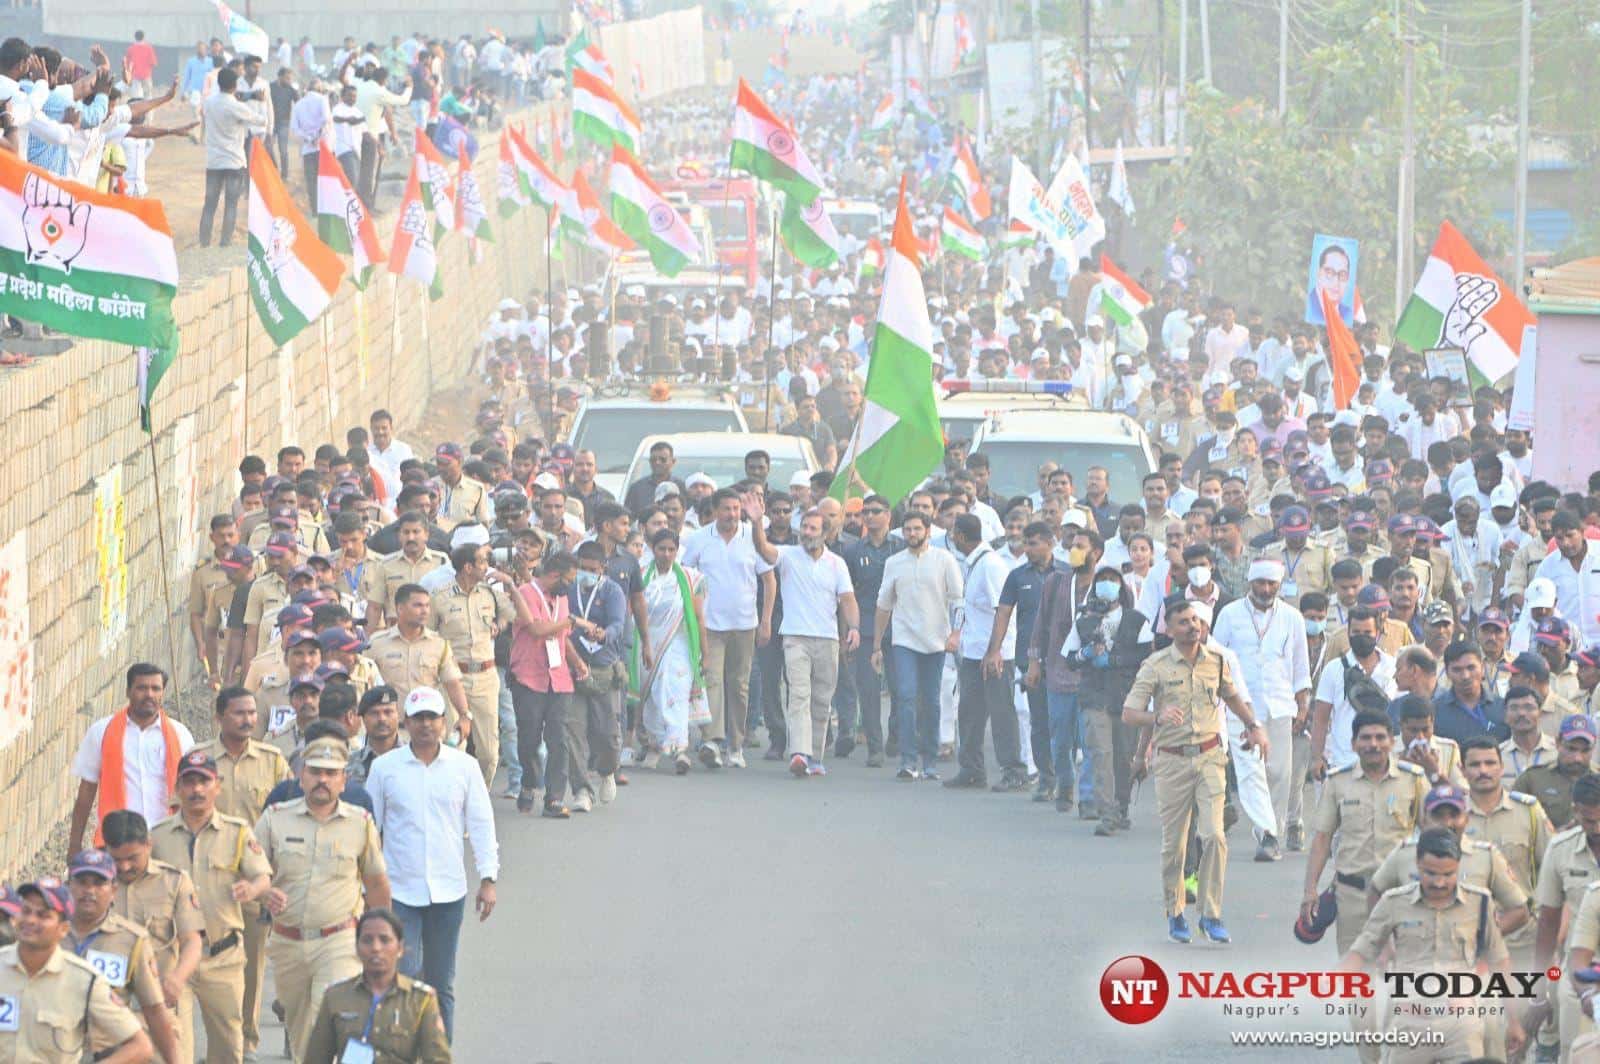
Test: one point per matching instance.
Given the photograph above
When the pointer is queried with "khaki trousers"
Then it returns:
(727, 657)
(811, 664)
(303, 971)
(255, 967)
(1192, 788)
(483, 699)
(218, 987)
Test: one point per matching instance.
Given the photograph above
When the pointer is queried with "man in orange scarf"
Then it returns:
(129, 760)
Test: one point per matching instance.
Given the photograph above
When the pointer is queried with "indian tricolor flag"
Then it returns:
(434, 178)
(599, 114)
(343, 221)
(472, 213)
(538, 181)
(897, 440)
(967, 181)
(765, 146)
(582, 54)
(883, 116)
(809, 233)
(1460, 302)
(919, 99)
(413, 254)
(642, 212)
(508, 191)
(83, 262)
(957, 234)
(1018, 234)
(292, 274)
(1121, 298)
(600, 231)
(872, 258)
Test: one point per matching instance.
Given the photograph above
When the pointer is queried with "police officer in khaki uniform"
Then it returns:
(210, 593)
(270, 591)
(409, 564)
(1552, 782)
(302, 653)
(469, 614)
(1373, 804)
(248, 771)
(1307, 566)
(1439, 923)
(228, 869)
(1481, 864)
(1571, 864)
(160, 898)
(342, 648)
(461, 498)
(1529, 745)
(60, 1005)
(119, 950)
(413, 655)
(389, 1017)
(356, 570)
(1583, 943)
(1185, 683)
(323, 853)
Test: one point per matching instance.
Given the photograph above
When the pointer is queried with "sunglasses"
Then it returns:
(870, 510)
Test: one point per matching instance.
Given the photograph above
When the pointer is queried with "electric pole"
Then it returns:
(1088, 7)
(1520, 221)
(1283, 57)
(1205, 40)
(1405, 208)
(1183, 67)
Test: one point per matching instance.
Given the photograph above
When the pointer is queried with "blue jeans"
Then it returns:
(508, 735)
(432, 932)
(1066, 742)
(916, 679)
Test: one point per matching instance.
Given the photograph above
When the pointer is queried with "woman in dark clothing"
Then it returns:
(1105, 645)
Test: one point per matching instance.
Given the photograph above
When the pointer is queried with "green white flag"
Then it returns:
(808, 233)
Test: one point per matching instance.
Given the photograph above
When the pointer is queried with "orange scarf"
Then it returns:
(113, 783)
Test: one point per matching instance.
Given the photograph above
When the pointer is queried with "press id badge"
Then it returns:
(279, 718)
(1218, 453)
(10, 1013)
(358, 1051)
(1289, 589)
(552, 650)
(113, 967)
(1169, 432)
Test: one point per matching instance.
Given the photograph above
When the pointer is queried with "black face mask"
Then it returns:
(1363, 645)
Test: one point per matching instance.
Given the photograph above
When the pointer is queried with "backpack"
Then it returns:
(1360, 690)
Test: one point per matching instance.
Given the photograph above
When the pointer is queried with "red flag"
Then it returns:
(1344, 355)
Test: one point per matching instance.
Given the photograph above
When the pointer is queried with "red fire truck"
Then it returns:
(731, 206)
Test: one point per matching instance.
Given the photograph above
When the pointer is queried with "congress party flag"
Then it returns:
(897, 441)
(588, 222)
(343, 221)
(433, 178)
(967, 181)
(957, 234)
(1121, 298)
(413, 253)
(883, 116)
(472, 213)
(1460, 302)
(292, 274)
(582, 54)
(82, 262)
(600, 115)
(538, 181)
(809, 233)
(509, 191)
(246, 37)
(642, 212)
(765, 146)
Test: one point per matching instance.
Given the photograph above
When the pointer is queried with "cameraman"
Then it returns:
(1104, 645)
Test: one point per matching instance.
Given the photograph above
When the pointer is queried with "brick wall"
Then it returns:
(71, 420)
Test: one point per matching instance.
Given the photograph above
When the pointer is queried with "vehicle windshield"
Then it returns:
(729, 223)
(727, 469)
(960, 426)
(857, 223)
(1014, 465)
(613, 433)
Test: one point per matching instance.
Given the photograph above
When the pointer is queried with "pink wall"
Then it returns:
(1566, 431)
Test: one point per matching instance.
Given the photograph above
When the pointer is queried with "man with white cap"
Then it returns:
(699, 488)
(1268, 636)
(1297, 404)
(426, 797)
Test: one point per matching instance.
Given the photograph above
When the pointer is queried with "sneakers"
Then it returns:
(1266, 853)
(799, 766)
(525, 800)
(843, 747)
(1105, 829)
(1212, 928)
(965, 781)
(907, 774)
(1063, 799)
(555, 811)
(1296, 838)
(608, 789)
(627, 756)
(710, 754)
(512, 791)
(1178, 930)
(1011, 781)
(774, 753)
(1088, 811)
(650, 760)
(947, 751)
(874, 760)
(930, 774)
(816, 768)
(1044, 790)
(681, 763)
(736, 759)
(582, 802)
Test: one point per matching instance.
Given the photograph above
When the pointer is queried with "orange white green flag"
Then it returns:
(343, 221)
(413, 253)
(640, 209)
(292, 274)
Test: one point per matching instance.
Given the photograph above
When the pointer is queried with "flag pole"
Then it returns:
(772, 303)
(549, 317)
(161, 562)
(716, 253)
(327, 376)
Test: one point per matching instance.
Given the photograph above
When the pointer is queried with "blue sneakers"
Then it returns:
(1178, 929)
(1214, 930)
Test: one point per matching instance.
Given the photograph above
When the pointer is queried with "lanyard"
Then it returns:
(372, 1014)
(1263, 629)
(1292, 566)
(584, 607)
(82, 948)
(353, 579)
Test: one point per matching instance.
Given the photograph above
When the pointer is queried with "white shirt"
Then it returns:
(144, 763)
(731, 568)
(989, 520)
(423, 810)
(1330, 689)
(812, 588)
(1271, 647)
(1419, 437)
(386, 465)
(920, 589)
(986, 576)
(1577, 590)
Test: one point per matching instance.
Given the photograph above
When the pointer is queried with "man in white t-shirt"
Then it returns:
(1334, 707)
(818, 599)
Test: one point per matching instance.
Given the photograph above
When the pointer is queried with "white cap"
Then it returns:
(1541, 593)
(1039, 353)
(669, 299)
(469, 533)
(634, 291)
(800, 479)
(665, 489)
(1092, 320)
(1294, 373)
(509, 304)
(572, 295)
(827, 343)
(1347, 417)
(1503, 495)
(1122, 360)
(1266, 569)
(1077, 515)
(424, 700)
(697, 303)
(546, 481)
(699, 480)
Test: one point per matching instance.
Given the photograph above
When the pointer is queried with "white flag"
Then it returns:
(1070, 189)
(1117, 191)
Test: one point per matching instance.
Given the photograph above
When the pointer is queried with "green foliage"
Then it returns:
(1255, 188)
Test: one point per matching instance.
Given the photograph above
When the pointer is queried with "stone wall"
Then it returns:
(72, 457)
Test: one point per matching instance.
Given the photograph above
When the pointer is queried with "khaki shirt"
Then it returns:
(470, 620)
(163, 902)
(267, 596)
(1365, 559)
(1167, 679)
(222, 853)
(407, 1027)
(1585, 933)
(467, 501)
(1524, 563)
(1157, 528)
(1441, 576)
(358, 583)
(1496, 677)
(1552, 711)
(1565, 683)
(1429, 939)
(309, 534)
(1395, 638)
(1371, 817)
(122, 953)
(210, 593)
(1310, 569)
(1482, 865)
(268, 676)
(1516, 762)
(364, 676)
(247, 779)
(58, 1010)
(289, 741)
(1175, 432)
(320, 864)
(1569, 866)
(395, 571)
(1518, 828)
(1552, 787)
(407, 663)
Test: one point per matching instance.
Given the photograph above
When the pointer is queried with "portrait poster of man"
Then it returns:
(1333, 268)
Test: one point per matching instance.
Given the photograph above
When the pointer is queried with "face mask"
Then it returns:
(1076, 556)
(1363, 645)
(1213, 498)
(587, 581)
(1315, 628)
(1109, 590)
(1200, 576)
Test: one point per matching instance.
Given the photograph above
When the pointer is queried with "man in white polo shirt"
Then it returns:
(817, 600)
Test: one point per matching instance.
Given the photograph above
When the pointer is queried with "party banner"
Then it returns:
(111, 557)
